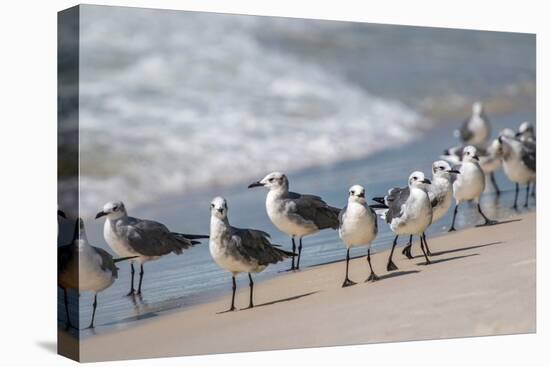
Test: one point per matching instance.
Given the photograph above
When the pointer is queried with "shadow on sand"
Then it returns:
(432, 262)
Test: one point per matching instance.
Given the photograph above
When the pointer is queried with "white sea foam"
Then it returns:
(192, 105)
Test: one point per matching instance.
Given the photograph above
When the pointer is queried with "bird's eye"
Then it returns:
(442, 168)
(352, 192)
(415, 178)
(212, 205)
(115, 208)
(271, 179)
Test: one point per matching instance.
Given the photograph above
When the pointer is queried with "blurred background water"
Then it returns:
(178, 107)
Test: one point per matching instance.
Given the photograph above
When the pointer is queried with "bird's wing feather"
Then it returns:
(252, 244)
(313, 208)
(151, 238)
(394, 200)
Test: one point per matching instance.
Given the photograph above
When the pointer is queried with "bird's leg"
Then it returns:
(299, 254)
(515, 207)
(140, 279)
(293, 253)
(391, 266)
(533, 190)
(454, 218)
(423, 251)
(526, 205)
(372, 277)
(132, 271)
(93, 312)
(407, 249)
(494, 182)
(66, 301)
(251, 284)
(426, 244)
(232, 308)
(487, 220)
(347, 281)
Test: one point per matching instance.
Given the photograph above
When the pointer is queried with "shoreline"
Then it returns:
(477, 276)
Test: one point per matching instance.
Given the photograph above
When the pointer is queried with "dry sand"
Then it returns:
(481, 282)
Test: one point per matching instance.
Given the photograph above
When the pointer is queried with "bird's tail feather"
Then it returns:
(192, 236)
(119, 259)
(379, 199)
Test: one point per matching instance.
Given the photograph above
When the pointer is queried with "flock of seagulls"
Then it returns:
(460, 174)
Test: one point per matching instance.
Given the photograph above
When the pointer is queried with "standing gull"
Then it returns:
(240, 250)
(409, 212)
(358, 227)
(146, 239)
(469, 184)
(519, 163)
(476, 129)
(526, 132)
(296, 214)
(440, 192)
(83, 267)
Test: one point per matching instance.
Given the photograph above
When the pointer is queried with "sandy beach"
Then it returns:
(481, 282)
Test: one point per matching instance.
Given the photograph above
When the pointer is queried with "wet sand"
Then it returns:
(481, 282)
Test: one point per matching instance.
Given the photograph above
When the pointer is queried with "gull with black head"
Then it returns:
(297, 215)
(147, 240)
(240, 250)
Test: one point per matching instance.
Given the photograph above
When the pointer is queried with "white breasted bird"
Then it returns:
(85, 268)
(409, 212)
(476, 130)
(297, 215)
(469, 184)
(146, 239)
(240, 250)
(358, 227)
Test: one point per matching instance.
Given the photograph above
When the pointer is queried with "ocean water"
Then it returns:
(179, 107)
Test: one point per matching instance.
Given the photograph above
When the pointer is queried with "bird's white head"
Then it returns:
(417, 179)
(507, 132)
(112, 210)
(218, 208)
(525, 126)
(273, 181)
(470, 154)
(357, 194)
(477, 108)
(442, 169)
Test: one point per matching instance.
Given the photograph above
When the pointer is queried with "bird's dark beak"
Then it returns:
(518, 134)
(475, 157)
(220, 210)
(255, 184)
(426, 181)
(454, 171)
(362, 195)
(500, 139)
(100, 214)
(61, 213)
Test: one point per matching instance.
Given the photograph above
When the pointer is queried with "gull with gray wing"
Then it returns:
(519, 160)
(297, 215)
(145, 239)
(476, 130)
(469, 184)
(240, 250)
(409, 212)
(83, 267)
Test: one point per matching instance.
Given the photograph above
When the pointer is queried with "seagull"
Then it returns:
(358, 227)
(409, 211)
(146, 239)
(526, 132)
(476, 129)
(469, 184)
(440, 192)
(296, 214)
(239, 250)
(519, 163)
(84, 267)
